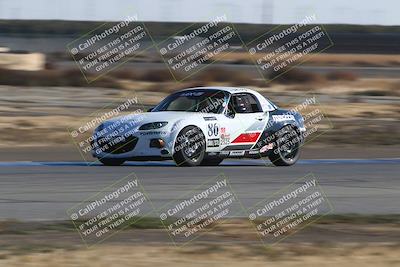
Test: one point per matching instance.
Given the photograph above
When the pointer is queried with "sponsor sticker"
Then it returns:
(225, 138)
(237, 153)
(212, 142)
(155, 133)
(279, 118)
(209, 118)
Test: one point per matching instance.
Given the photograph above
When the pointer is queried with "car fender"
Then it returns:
(278, 120)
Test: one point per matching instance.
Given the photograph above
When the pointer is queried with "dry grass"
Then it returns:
(296, 76)
(345, 240)
(377, 92)
(125, 74)
(326, 59)
(356, 123)
(362, 110)
(353, 59)
(157, 76)
(341, 76)
(214, 255)
(208, 76)
(221, 75)
(22, 61)
(53, 77)
(45, 112)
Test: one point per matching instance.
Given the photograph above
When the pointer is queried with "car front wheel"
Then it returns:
(287, 148)
(189, 147)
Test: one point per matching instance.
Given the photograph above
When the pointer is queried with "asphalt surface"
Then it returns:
(45, 190)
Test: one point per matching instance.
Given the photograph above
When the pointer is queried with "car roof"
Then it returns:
(266, 104)
(222, 88)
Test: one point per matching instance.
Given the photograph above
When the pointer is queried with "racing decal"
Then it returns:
(213, 142)
(253, 152)
(191, 93)
(259, 127)
(155, 132)
(247, 138)
(237, 153)
(224, 153)
(279, 118)
(212, 129)
(209, 118)
(225, 138)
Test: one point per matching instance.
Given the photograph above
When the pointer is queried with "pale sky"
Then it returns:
(384, 12)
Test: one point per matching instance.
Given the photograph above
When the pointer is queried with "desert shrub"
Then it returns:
(49, 65)
(377, 92)
(395, 86)
(288, 76)
(341, 75)
(240, 79)
(394, 63)
(105, 82)
(173, 87)
(13, 77)
(157, 76)
(235, 78)
(71, 77)
(215, 75)
(125, 74)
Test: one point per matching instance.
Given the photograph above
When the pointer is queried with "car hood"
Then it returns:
(149, 117)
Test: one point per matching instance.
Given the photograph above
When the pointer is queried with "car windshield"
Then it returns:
(205, 101)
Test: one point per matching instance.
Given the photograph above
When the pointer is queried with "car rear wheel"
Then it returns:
(189, 147)
(112, 162)
(287, 148)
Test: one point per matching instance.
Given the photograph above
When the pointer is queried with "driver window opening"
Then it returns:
(243, 103)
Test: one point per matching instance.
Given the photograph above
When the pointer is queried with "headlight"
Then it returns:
(153, 125)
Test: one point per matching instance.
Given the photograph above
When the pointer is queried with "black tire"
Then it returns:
(112, 162)
(190, 147)
(287, 148)
(211, 161)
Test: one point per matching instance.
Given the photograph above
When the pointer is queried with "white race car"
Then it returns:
(203, 126)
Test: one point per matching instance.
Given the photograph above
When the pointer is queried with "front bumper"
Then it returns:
(133, 146)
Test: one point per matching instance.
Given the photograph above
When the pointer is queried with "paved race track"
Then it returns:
(45, 190)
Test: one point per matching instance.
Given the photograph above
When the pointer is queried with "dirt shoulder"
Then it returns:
(345, 243)
(214, 255)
